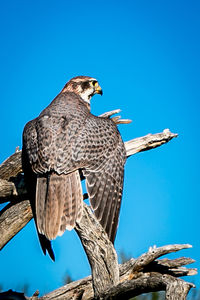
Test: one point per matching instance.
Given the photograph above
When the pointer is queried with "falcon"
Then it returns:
(64, 141)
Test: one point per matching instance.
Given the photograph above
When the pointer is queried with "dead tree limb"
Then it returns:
(11, 166)
(12, 219)
(7, 189)
(133, 282)
(100, 252)
(149, 141)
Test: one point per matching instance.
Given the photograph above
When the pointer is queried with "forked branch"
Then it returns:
(133, 282)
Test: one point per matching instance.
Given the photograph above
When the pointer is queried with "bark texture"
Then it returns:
(153, 275)
(100, 252)
(12, 219)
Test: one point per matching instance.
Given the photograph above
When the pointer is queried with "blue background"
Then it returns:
(145, 55)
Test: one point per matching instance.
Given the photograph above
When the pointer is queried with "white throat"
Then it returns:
(86, 96)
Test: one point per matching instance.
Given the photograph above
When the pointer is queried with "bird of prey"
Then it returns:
(63, 140)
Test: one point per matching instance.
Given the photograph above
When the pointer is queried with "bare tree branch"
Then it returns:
(12, 219)
(100, 252)
(11, 166)
(7, 189)
(132, 283)
(148, 142)
(154, 253)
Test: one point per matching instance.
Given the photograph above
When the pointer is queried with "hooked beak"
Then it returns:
(98, 89)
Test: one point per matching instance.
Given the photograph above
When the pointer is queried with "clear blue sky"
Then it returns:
(145, 55)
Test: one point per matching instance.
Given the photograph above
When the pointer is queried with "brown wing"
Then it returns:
(105, 156)
(48, 142)
(49, 139)
(105, 192)
(31, 179)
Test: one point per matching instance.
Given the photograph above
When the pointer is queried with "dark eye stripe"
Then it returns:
(94, 82)
(85, 85)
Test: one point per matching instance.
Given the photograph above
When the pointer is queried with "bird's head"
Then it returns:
(84, 86)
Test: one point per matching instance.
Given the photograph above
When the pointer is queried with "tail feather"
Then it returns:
(58, 203)
(41, 193)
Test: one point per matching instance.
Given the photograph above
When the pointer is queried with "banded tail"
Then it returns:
(59, 203)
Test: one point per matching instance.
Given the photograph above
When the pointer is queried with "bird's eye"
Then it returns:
(94, 82)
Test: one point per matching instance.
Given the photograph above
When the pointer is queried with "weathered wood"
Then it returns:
(176, 289)
(100, 252)
(149, 141)
(132, 283)
(7, 189)
(11, 166)
(173, 266)
(153, 282)
(12, 219)
(164, 266)
(80, 289)
(154, 253)
(116, 119)
(14, 190)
